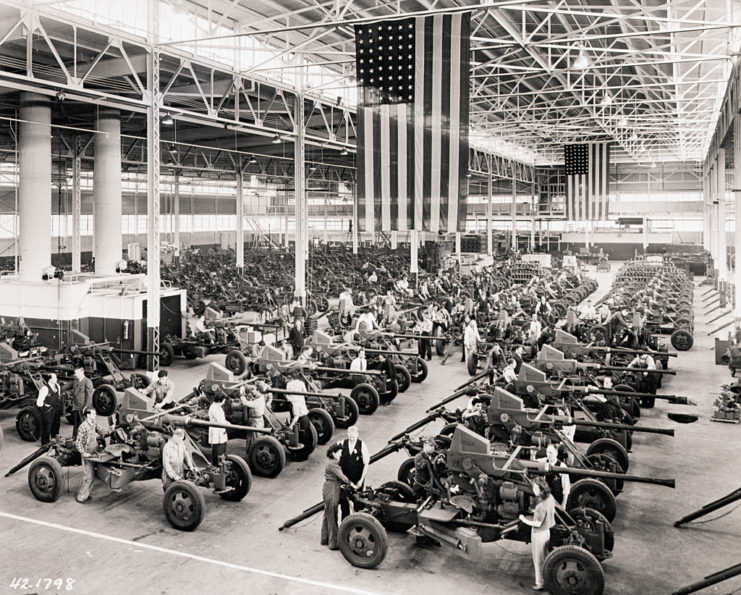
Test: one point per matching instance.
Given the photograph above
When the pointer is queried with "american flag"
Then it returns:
(587, 181)
(413, 77)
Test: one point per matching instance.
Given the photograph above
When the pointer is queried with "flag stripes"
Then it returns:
(413, 150)
(587, 181)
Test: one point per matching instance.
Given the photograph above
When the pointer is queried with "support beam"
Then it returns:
(76, 242)
(176, 213)
(413, 251)
(153, 193)
(34, 186)
(107, 191)
(240, 220)
(514, 212)
(722, 240)
(300, 199)
(355, 219)
(737, 234)
(490, 193)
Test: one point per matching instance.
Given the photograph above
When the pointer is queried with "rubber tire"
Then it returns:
(198, 504)
(370, 399)
(595, 515)
(600, 460)
(634, 409)
(596, 490)
(392, 392)
(472, 364)
(612, 448)
(405, 474)
(54, 469)
(240, 477)
(323, 423)
(235, 362)
(439, 343)
(376, 532)
(449, 429)
(272, 449)
(403, 377)
(584, 560)
(400, 492)
(167, 354)
(682, 340)
(308, 438)
(404, 490)
(423, 371)
(351, 415)
(105, 400)
(28, 423)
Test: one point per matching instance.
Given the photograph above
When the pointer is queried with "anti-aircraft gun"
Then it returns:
(134, 453)
(477, 499)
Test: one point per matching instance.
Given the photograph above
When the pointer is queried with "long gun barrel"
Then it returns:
(186, 420)
(708, 508)
(607, 425)
(627, 369)
(576, 472)
(416, 425)
(391, 352)
(30, 458)
(456, 395)
(630, 351)
(282, 391)
(675, 399)
(711, 579)
(346, 371)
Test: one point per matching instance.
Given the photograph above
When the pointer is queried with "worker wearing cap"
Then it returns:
(217, 437)
(87, 446)
(82, 398)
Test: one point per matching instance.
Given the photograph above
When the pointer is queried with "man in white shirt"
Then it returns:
(346, 305)
(359, 363)
(354, 462)
(217, 436)
(588, 311)
(424, 327)
(297, 401)
(509, 373)
(254, 402)
(176, 459)
(162, 389)
(49, 402)
(471, 338)
(534, 330)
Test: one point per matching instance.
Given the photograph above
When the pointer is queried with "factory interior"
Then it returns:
(373, 296)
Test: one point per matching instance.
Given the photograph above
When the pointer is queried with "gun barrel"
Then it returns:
(30, 458)
(577, 472)
(391, 448)
(676, 399)
(186, 420)
(711, 507)
(627, 369)
(456, 395)
(304, 515)
(282, 391)
(347, 371)
(712, 579)
(608, 425)
(631, 351)
(391, 352)
(416, 425)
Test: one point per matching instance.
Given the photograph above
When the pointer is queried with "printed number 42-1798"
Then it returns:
(47, 584)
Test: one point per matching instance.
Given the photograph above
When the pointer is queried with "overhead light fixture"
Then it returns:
(468, 175)
(252, 159)
(276, 139)
(312, 167)
(581, 62)
(167, 120)
(633, 137)
(344, 151)
(623, 122)
(606, 100)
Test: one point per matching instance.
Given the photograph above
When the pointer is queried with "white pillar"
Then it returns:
(107, 191)
(240, 220)
(300, 199)
(76, 208)
(514, 212)
(721, 190)
(355, 232)
(458, 243)
(413, 251)
(394, 239)
(325, 235)
(712, 179)
(176, 213)
(489, 232)
(705, 210)
(645, 233)
(586, 233)
(34, 187)
(533, 206)
(737, 198)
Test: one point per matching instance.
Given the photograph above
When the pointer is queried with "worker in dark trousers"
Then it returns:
(82, 397)
(49, 403)
(334, 478)
(354, 462)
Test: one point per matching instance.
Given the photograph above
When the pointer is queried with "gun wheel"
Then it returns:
(323, 425)
(184, 505)
(406, 472)
(105, 400)
(612, 448)
(267, 457)
(45, 479)
(28, 423)
(236, 362)
(238, 477)
(366, 397)
(572, 570)
(350, 414)
(167, 354)
(403, 377)
(362, 540)
(593, 494)
(422, 371)
(589, 521)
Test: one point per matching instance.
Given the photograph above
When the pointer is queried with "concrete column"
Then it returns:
(705, 211)
(240, 220)
(645, 233)
(355, 232)
(76, 209)
(300, 200)
(34, 187)
(107, 191)
(490, 190)
(712, 180)
(413, 251)
(587, 224)
(176, 213)
(533, 206)
(721, 196)
(458, 243)
(394, 239)
(325, 235)
(737, 214)
(514, 213)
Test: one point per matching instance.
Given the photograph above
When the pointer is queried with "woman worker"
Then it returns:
(333, 479)
(541, 522)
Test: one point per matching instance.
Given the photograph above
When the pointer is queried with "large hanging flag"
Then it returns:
(413, 80)
(587, 181)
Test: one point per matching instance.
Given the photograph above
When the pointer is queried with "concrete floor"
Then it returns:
(121, 542)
